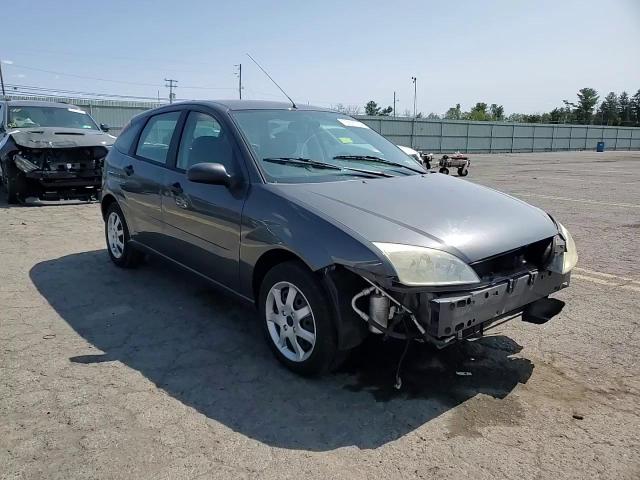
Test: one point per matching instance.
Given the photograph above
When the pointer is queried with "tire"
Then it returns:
(463, 172)
(117, 237)
(13, 184)
(317, 350)
(444, 170)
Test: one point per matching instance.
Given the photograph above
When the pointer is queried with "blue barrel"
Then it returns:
(600, 147)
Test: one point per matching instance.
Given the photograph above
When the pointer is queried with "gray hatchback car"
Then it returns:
(319, 221)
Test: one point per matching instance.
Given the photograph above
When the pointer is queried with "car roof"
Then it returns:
(254, 105)
(36, 103)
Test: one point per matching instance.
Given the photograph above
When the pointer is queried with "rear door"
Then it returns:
(203, 221)
(143, 172)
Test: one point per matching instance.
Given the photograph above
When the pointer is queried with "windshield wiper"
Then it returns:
(372, 158)
(303, 162)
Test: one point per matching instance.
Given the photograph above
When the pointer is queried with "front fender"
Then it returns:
(272, 221)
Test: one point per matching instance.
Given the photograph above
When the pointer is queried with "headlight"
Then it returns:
(570, 256)
(426, 266)
(564, 262)
(25, 165)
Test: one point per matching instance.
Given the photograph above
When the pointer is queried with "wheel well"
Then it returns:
(106, 203)
(266, 262)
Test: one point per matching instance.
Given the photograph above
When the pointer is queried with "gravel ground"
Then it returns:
(149, 373)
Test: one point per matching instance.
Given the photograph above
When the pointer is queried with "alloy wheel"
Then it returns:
(290, 321)
(115, 235)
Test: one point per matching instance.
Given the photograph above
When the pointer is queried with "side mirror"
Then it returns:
(104, 128)
(210, 173)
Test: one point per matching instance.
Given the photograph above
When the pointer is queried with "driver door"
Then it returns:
(202, 222)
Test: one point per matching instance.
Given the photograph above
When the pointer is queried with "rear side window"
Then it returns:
(156, 137)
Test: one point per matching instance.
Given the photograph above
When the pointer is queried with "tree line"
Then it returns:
(614, 110)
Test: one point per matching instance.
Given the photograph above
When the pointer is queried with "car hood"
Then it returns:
(54, 137)
(431, 210)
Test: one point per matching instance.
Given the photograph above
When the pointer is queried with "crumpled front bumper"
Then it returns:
(463, 313)
(61, 179)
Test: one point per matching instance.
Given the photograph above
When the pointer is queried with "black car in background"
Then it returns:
(50, 151)
(319, 221)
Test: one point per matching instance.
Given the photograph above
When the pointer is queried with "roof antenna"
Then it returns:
(293, 104)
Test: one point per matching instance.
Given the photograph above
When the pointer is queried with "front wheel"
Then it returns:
(463, 172)
(444, 170)
(118, 240)
(297, 319)
(13, 184)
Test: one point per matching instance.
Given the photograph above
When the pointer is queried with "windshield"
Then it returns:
(327, 137)
(30, 117)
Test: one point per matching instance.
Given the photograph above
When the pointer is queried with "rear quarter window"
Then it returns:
(126, 137)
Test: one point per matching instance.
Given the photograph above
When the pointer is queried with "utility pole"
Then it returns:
(239, 75)
(1, 79)
(415, 91)
(394, 103)
(171, 84)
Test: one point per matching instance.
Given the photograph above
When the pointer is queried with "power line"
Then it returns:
(126, 82)
(83, 76)
(44, 90)
(141, 59)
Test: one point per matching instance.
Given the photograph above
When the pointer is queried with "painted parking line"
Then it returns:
(595, 179)
(621, 282)
(606, 275)
(565, 199)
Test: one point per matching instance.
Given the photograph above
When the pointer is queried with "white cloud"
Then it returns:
(20, 75)
(7, 62)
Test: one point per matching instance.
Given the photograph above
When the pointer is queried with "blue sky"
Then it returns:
(526, 55)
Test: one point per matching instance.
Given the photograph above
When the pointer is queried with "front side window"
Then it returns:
(284, 139)
(204, 141)
(33, 117)
(156, 137)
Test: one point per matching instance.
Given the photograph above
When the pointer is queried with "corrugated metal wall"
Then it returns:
(437, 136)
(494, 137)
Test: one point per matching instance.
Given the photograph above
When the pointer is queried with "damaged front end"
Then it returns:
(511, 284)
(61, 173)
(52, 170)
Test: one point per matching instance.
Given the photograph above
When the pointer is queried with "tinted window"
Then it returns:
(156, 137)
(204, 141)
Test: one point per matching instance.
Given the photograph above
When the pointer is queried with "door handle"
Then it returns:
(128, 170)
(176, 188)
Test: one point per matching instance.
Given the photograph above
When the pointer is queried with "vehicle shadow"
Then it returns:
(205, 350)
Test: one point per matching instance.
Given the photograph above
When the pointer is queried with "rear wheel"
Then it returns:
(297, 319)
(118, 240)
